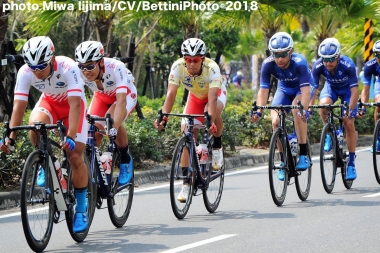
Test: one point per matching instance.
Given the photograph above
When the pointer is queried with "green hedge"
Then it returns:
(150, 146)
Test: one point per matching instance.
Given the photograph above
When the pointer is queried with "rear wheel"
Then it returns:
(213, 194)
(120, 205)
(328, 158)
(278, 165)
(37, 204)
(376, 153)
(179, 175)
(303, 178)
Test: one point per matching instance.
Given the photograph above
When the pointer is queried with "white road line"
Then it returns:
(197, 244)
(372, 195)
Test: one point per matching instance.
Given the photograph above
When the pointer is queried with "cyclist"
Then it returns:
(201, 76)
(294, 83)
(114, 93)
(236, 80)
(372, 67)
(341, 81)
(58, 78)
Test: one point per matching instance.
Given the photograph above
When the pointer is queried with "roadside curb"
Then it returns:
(162, 173)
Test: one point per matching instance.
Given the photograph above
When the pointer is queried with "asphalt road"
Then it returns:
(247, 220)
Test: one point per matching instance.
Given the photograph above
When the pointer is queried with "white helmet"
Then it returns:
(38, 50)
(193, 47)
(89, 51)
(330, 47)
(280, 42)
(376, 47)
(239, 73)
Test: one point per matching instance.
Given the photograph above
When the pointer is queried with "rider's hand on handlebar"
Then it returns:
(162, 124)
(361, 113)
(352, 114)
(256, 116)
(68, 143)
(213, 129)
(8, 145)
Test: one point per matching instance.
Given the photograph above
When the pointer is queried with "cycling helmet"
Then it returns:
(376, 47)
(239, 73)
(330, 47)
(193, 47)
(38, 50)
(280, 42)
(89, 51)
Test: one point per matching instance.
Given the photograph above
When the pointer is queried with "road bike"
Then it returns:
(119, 197)
(281, 157)
(376, 138)
(200, 175)
(41, 205)
(337, 156)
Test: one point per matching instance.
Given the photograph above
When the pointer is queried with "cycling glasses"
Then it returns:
(331, 59)
(39, 67)
(193, 59)
(89, 67)
(283, 55)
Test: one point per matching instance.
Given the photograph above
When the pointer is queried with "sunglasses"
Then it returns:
(194, 60)
(89, 67)
(283, 55)
(331, 59)
(39, 67)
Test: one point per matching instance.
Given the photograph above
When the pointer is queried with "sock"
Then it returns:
(303, 149)
(80, 195)
(124, 156)
(351, 160)
(217, 142)
(184, 173)
(282, 156)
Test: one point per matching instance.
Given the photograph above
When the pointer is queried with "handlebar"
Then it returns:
(277, 107)
(109, 121)
(206, 115)
(330, 107)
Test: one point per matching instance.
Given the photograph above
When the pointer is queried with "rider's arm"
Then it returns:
(212, 101)
(262, 97)
(354, 97)
(353, 81)
(120, 110)
(266, 71)
(124, 83)
(19, 108)
(304, 77)
(305, 99)
(74, 115)
(170, 98)
(368, 71)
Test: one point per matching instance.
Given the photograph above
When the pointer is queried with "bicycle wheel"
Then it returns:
(120, 205)
(376, 153)
(213, 194)
(303, 178)
(91, 203)
(344, 155)
(328, 159)
(177, 178)
(276, 162)
(37, 205)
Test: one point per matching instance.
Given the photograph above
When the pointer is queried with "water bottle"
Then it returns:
(106, 160)
(62, 175)
(339, 135)
(293, 143)
(202, 153)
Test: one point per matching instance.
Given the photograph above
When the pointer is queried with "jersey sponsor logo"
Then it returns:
(370, 63)
(187, 79)
(111, 66)
(269, 59)
(60, 84)
(340, 80)
(133, 95)
(297, 59)
(65, 66)
(109, 83)
(89, 84)
(58, 76)
(288, 79)
(345, 63)
(319, 65)
(40, 86)
(75, 76)
(121, 74)
(188, 85)
(108, 76)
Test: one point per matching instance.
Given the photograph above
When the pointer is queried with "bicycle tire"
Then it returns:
(344, 155)
(278, 187)
(303, 178)
(119, 213)
(91, 203)
(180, 209)
(213, 194)
(328, 159)
(376, 153)
(31, 195)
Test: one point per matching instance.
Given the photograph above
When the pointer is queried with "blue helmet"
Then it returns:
(330, 47)
(376, 47)
(280, 42)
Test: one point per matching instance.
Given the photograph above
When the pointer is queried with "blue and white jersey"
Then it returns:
(296, 76)
(344, 73)
(371, 67)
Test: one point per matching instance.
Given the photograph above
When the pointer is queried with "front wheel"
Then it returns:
(328, 157)
(181, 179)
(213, 194)
(277, 167)
(37, 203)
(376, 152)
(303, 178)
(120, 205)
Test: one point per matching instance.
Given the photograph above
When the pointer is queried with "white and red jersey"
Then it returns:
(116, 79)
(64, 82)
